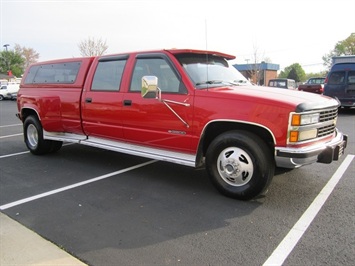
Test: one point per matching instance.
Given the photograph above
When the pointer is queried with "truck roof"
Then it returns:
(343, 66)
(172, 51)
(184, 51)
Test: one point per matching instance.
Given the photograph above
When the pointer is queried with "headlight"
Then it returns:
(304, 119)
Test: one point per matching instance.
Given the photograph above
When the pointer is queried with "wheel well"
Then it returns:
(26, 112)
(216, 128)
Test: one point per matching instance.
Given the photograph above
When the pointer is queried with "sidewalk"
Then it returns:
(21, 246)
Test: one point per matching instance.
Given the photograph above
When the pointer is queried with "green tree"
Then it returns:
(11, 61)
(293, 75)
(321, 74)
(344, 47)
(294, 71)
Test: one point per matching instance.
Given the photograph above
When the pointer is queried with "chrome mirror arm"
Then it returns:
(170, 108)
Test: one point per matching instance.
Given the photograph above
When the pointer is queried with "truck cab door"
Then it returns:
(102, 101)
(151, 122)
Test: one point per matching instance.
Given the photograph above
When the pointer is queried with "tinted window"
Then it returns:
(278, 83)
(167, 79)
(317, 81)
(53, 73)
(336, 78)
(351, 77)
(282, 84)
(108, 75)
(208, 71)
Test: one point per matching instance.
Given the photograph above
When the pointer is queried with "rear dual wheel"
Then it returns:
(33, 134)
(240, 164)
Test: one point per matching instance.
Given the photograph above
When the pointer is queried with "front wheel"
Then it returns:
(240, 164)
(33, 134)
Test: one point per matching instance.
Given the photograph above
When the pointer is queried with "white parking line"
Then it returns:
(13, 125)
(10, 136)
(289, 242)
(55, 191)
(24, 152)
(13, 154)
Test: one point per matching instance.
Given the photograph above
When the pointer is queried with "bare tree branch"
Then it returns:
(92, 47)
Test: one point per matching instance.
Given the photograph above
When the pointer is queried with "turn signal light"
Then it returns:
(294, 136)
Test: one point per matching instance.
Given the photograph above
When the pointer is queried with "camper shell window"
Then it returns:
(53, 73)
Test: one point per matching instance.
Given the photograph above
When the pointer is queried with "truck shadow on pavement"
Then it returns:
(149, 205)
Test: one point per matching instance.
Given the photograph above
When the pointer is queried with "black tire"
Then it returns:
(240, 165)
(56, 145)
(1, 97)
(33, 134)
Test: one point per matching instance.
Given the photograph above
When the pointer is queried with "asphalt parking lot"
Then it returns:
(108, 208)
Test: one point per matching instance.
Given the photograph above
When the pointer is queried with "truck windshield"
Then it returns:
(206, 71)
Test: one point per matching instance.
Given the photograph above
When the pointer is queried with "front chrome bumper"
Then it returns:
(323, 153)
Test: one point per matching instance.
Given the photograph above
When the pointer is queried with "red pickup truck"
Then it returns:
(189, 107)
(315, 85)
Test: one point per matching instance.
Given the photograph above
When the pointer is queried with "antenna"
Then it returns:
(206, 52)
(206, 32)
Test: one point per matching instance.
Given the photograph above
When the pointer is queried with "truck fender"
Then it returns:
(216, 127)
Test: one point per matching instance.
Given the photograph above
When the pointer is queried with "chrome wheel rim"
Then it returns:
(32, 135)
(235, 166)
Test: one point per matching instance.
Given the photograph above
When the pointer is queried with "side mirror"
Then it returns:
(150, 88)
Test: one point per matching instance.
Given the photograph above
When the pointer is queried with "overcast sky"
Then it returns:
(286, 32)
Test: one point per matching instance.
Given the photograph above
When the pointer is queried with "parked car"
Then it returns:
(315, 85)
(9, 91)
(283, 83)
(340, 84)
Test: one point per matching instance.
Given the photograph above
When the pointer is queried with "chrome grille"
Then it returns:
(325, 131)
(329, 114)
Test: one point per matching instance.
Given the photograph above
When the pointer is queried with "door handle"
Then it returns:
(88, 100)
(127, 102)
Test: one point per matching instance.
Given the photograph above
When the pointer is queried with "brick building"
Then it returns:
(258, 73)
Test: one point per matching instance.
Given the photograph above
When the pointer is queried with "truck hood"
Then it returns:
(298, 100)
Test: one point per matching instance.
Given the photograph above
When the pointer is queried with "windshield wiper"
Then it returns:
(234, 82)
(238, 82)
(209, 82)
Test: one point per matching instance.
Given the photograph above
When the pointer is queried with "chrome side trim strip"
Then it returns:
(124, 147)
(61, 136)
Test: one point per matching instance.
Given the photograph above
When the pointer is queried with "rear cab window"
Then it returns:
(316, 81)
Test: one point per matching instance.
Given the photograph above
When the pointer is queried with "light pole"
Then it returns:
(6, 63)
(6, 45)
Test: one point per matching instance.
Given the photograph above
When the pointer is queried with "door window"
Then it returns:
(167, 79)
(108, 75)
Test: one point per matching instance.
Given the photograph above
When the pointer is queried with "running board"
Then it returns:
(124, 147)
